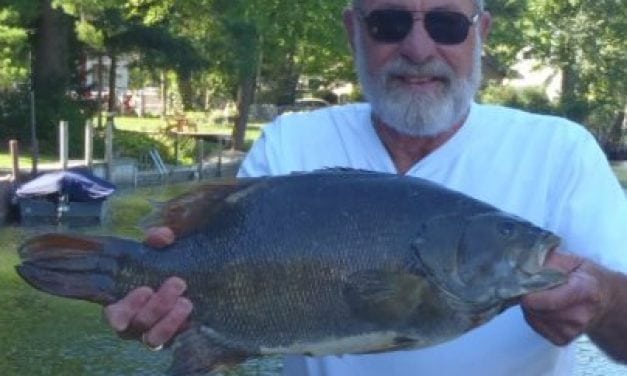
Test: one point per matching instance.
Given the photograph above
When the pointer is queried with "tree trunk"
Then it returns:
(112, 105)
(572, 104)
(249, 55)
(164, 94)
(245, 95)
(618, 130)
(51, 69)
(185, 87)
(287, 84)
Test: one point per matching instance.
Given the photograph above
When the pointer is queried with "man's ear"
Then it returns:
(485, 25)
(349, 25)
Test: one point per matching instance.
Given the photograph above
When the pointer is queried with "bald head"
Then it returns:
(357, 3)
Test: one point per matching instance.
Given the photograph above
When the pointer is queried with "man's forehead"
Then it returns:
(418, 4)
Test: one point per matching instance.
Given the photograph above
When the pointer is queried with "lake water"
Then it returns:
(592, 362)
(45, 335)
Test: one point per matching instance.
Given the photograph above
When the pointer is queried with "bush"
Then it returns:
(137, 145)
(14, 117)
(532, 99)
(15, 120)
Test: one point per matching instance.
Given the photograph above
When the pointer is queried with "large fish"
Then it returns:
(319, 263)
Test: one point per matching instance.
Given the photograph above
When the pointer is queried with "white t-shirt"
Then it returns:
(545, 169)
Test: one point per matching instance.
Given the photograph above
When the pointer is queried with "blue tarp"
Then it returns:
(78, 185)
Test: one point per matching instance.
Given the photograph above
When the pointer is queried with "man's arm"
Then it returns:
(592, 302)
(610, 332)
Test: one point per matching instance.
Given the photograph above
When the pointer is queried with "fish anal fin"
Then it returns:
(190, 211)
(198, 351)
(384, 296)
(400, 343)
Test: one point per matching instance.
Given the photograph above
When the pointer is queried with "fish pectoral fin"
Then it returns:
(193, 210)
(384, 296)
(197, 351)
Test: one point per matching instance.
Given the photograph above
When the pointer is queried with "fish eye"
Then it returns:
(507, 229)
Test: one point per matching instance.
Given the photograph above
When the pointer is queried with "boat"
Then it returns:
(71, 197)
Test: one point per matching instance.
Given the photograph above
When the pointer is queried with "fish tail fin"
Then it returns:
(75, 266)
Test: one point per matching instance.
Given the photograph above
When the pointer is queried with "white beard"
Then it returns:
(411, 113)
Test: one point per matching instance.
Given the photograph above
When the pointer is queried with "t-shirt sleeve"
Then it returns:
(590, 207)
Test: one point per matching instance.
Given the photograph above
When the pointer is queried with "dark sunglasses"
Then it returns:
(443, 26)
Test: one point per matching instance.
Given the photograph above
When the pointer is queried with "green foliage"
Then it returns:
(14, 115)
(506, 36)
(531, 99)
(13, 49)
(15, 120)
(137, 145)
(219, 46)
(586, 40)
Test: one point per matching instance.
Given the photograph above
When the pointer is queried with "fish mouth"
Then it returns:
(547, 243)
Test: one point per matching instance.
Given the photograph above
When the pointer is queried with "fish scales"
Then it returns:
(316, 263)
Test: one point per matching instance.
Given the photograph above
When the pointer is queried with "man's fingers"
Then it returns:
(170, 324)
(159, 237)
(159, 304)
(120, 314)
(581, 288)
(565, 262)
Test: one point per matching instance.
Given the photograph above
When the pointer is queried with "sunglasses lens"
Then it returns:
(389, 25)
(447, 27)
(393, 25)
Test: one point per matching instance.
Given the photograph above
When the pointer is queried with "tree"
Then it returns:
(276, 39)
(16, 19)
(506, 37)
(585, 39)
(116, 27)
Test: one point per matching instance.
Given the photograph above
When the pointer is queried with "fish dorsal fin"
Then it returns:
(193, 210)
(340, 170)
(384, 296)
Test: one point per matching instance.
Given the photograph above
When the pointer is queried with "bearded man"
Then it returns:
(418, 62)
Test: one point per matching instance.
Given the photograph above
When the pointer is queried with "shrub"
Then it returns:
(532, 99)
(137, 145)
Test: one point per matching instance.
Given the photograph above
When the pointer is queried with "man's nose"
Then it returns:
(418, 45)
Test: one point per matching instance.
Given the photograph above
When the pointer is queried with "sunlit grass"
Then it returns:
(155, 127)
(155, 124)
(24, 160)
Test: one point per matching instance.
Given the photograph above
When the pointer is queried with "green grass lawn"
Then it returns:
(149, 127)
(156, 124)
(25, 160)
(144, 133)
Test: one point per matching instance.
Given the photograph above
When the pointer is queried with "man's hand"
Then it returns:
(563, 313)
(153, 317)
(159, 237)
